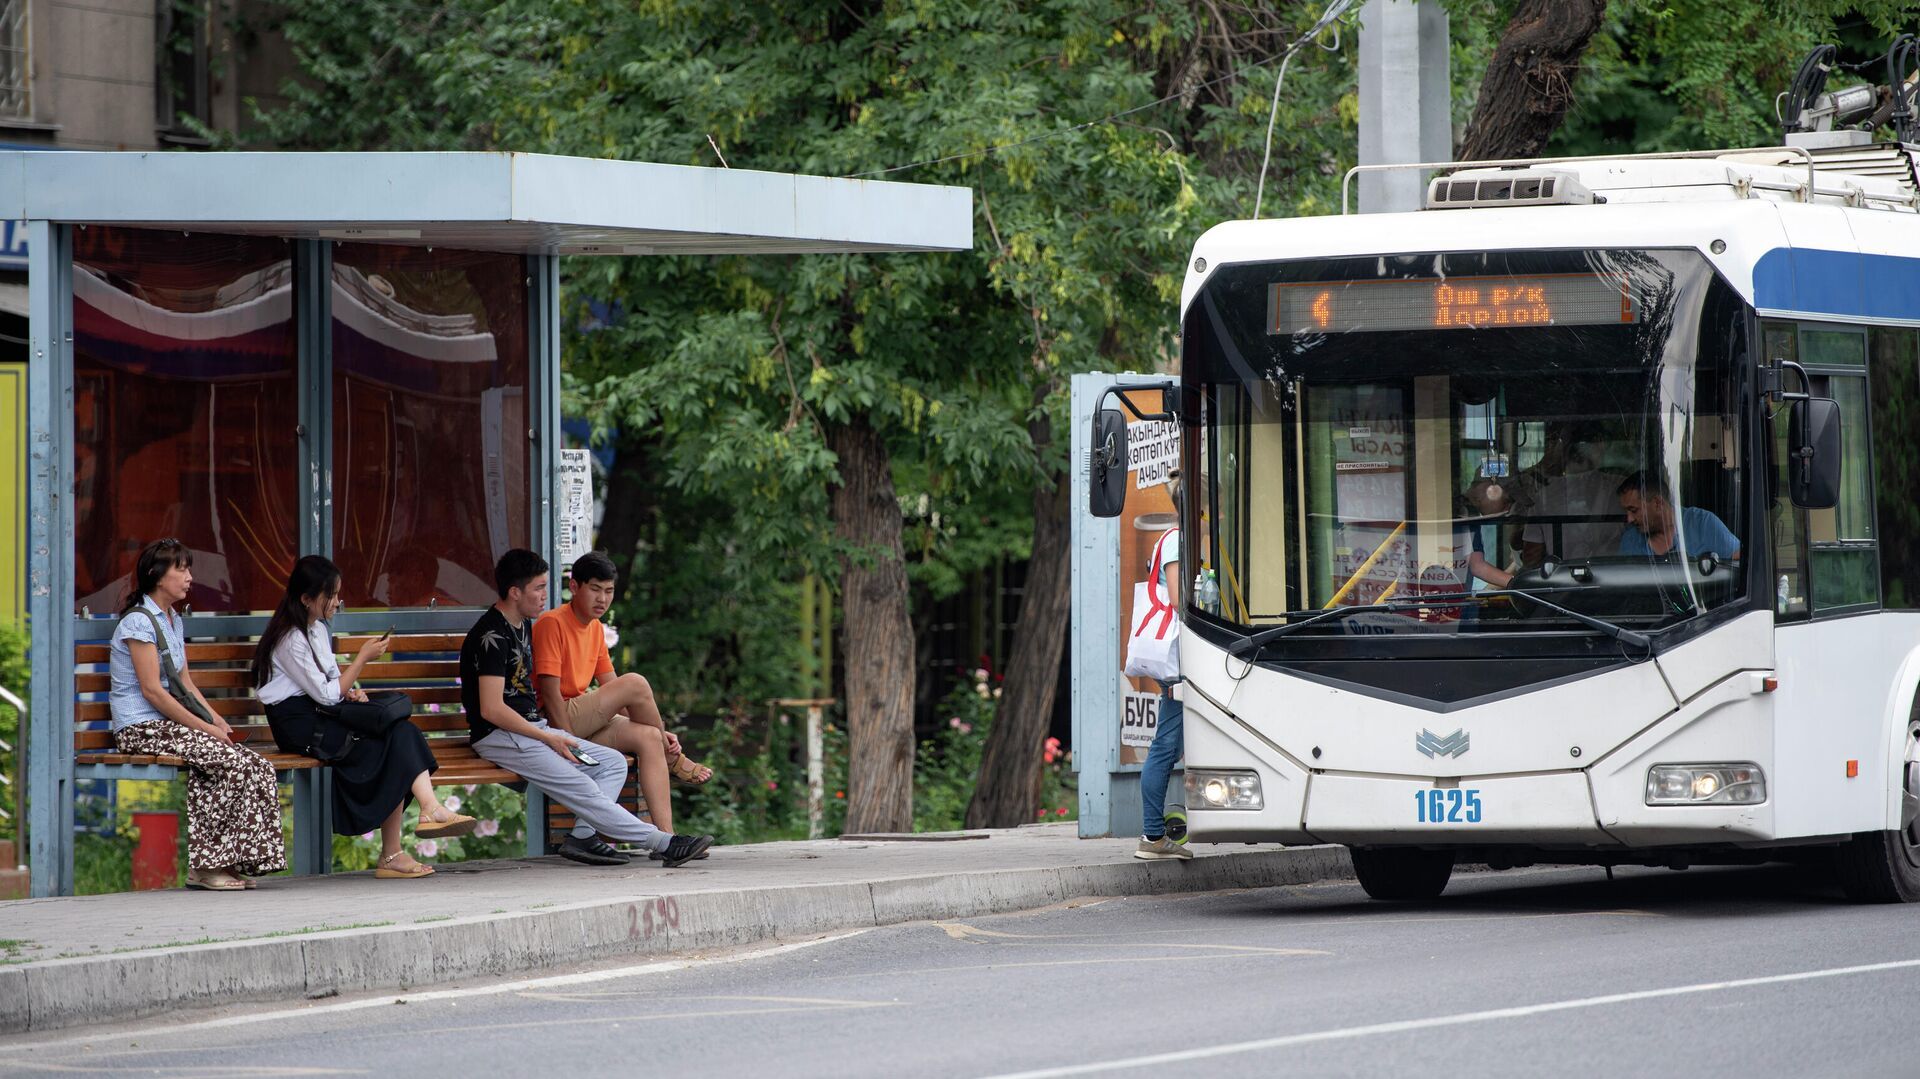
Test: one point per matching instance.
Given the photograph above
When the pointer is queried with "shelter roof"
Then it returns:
(530, 203)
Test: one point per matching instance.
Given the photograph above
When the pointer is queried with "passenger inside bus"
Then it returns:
(1571, 502)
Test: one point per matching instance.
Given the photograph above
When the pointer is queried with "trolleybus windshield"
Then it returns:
(1562, 423)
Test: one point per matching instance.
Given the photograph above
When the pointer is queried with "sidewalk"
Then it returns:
(65, 962)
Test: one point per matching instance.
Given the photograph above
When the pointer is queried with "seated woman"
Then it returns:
(299, 679)
(233, 799)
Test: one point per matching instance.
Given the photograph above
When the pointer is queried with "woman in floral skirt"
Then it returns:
(233, 799)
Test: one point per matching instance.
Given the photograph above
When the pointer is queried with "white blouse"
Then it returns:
(304, 665)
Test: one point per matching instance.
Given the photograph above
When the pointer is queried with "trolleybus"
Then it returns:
(1574, 518)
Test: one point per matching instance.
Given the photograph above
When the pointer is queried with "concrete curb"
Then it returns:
(56, 993)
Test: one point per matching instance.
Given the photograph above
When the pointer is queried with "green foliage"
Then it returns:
(1692, 74)
(15, 675)
(759, 788)
(503, 818)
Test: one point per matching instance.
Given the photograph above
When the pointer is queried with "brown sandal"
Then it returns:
(687, 771)
(215, 880)
(453, 827)
(387, 871)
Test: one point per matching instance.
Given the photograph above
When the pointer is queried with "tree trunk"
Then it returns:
(1009, 788)
(629, 505)
(1529, 83)
(877, 633)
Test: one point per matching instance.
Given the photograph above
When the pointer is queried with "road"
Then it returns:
(1710, 972)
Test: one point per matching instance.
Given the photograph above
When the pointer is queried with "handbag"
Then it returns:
(1153, 644)
(371, 718)
(175, 689)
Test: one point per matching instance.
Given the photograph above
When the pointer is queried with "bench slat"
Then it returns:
(243, 650)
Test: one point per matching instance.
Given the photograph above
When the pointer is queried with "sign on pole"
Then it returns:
(574, 536)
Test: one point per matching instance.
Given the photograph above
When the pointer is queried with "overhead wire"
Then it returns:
(1334, 10)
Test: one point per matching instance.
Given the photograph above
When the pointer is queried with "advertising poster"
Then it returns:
(1153, 451)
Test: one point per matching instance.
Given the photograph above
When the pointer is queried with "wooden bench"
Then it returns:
(426, 667)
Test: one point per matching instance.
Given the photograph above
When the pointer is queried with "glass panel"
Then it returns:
(1788, 522)
(431, 460)
(1896, 466)
(1833, 348)
(185, 405)
(1843, 577)
(1545, 441)
(1855, 510)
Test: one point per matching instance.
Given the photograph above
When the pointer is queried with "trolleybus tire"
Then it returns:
(1884, 867)
(1402, 872)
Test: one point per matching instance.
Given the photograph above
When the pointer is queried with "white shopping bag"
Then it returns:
(1153, 645)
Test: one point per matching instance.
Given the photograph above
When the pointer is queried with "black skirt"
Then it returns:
(376, 774)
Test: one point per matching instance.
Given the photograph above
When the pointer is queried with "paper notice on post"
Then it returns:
(574, 532)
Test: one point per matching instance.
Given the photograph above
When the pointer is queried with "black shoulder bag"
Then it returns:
(371, 718)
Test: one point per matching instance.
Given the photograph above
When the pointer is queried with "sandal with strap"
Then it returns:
(386, 870)
(450, 826)
(214, 880)
(687, 771)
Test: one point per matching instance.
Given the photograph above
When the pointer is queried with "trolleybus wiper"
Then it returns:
(1617, 632)
(1450, 599)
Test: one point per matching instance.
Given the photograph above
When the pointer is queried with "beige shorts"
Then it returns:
(590, 713)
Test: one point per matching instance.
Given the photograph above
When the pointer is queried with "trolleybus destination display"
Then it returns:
(1477, 303)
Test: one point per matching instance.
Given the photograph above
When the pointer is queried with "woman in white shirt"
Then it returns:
(298, 678)
(233, 799)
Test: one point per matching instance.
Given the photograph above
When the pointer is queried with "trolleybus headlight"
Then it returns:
(1738, 783)
(1224, 790)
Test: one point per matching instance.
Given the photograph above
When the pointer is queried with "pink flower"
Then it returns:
(433, 708)
(1061, 812)
(367, 835)
(469, 788)
(966, 728)
(954, 723)
(1042, 815)
(487, 828)
(426, 848)
(452, 802)
(772, 786)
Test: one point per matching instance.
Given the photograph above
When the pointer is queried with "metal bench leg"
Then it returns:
(536, 822)
(312, 821)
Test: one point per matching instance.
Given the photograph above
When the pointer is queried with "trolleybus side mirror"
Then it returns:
(1813, 452)
(1107, 471)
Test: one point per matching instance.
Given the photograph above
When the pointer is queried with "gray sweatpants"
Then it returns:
(591, 791)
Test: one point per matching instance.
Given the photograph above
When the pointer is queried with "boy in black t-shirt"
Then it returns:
(496, 689)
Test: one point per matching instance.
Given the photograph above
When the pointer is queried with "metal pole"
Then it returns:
(1405, 110)
(50, 554)
(816, 774)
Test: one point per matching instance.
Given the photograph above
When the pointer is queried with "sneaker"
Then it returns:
(591, 851)
(1161, 849)
(1177, 826)
(656, 856)
(682, 849)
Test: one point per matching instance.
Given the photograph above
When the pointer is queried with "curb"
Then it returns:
(58, 993)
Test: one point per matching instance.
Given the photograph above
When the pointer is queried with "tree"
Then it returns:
(1529, 81)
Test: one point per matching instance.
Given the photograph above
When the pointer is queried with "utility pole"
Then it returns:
(1405, 111)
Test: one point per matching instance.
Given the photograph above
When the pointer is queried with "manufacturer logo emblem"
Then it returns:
(1433, 745)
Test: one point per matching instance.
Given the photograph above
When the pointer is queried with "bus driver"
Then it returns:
(1650, 523)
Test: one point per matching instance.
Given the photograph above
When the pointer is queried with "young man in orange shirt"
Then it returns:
(570, 654)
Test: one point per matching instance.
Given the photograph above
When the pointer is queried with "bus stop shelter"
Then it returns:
(357, 355)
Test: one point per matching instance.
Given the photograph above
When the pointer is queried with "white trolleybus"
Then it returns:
(1574, 518)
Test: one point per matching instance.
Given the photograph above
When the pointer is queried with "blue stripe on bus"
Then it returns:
(1845, 283)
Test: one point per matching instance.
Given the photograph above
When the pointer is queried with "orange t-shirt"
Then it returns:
(571, 650)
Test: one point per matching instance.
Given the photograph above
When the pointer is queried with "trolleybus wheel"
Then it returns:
(1884, 867)
(1402, 872)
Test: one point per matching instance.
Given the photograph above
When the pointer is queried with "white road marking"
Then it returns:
(1460, 1019)
(586, 977)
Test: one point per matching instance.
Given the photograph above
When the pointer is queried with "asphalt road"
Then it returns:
(1735, 972)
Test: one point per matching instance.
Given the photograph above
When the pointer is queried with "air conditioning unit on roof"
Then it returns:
(1508, 188)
